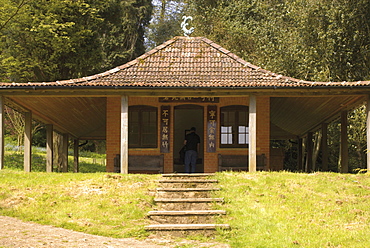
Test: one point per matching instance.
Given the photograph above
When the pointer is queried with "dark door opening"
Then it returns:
(187, 116)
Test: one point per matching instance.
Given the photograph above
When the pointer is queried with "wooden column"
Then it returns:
(309, 152)
(65, 153)
(124, 135)
(368, 133)
(49, 148)
(75, 156)
(2, 116)
(324, 146)
(27, 141)
(343, 143)
(252, 157)
(300, 157)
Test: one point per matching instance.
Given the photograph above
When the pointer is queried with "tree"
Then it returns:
(63, 39)
(165, 22)
(307, 39)
(9, 12)
(14, 122)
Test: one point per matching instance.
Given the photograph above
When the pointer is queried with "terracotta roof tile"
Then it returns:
(189, 62)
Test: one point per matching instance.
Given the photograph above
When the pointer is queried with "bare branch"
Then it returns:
(21, 4)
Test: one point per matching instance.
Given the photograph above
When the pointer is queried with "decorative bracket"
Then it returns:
(187, 32)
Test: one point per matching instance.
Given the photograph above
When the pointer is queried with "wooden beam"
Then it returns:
(186, 92)
(124, 135)
(2, 117)
(65, 153)
(309, 152)
(252, 134)
(40, 116)
(75, 156)
(343, 143)
(324, 146)
(27, 141)
(49, 148)
(368, 133)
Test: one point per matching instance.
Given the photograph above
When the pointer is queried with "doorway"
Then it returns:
(187, 116)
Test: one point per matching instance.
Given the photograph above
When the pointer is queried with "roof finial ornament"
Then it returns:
(187, 32)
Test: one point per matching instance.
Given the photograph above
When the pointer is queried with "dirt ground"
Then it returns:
(17, 233)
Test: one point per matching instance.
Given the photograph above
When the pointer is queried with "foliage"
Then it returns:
(307, 39)
(15, 124)
(63, 39)
(9, 12)
(165, 22)
(356, 140)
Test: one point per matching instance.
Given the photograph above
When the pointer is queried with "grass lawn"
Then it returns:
(264, 209)
(104, 204)
(272, 209)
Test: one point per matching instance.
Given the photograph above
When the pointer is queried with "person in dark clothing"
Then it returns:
(192, 142)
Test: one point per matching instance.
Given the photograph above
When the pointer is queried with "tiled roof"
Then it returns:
(189, 62)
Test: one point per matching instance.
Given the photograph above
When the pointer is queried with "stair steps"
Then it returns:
(184, 206)
(190, 212)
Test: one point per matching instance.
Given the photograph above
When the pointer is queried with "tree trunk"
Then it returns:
(316, 149)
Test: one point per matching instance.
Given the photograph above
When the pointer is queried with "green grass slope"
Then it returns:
(264, 209)
(296, 210)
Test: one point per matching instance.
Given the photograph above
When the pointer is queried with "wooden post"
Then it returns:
(252, 157)
(75, 156)
(343, 143)
(65, 153)
(324, 143)
(49, 148)
(27, 141)
(309, 152)
(300, 155)
(124, 135)
(2, 116)
(368, 133)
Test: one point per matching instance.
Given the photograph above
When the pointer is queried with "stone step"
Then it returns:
(185, 192)
(186, 189)
(184, 206)
(184, 227)
(189, 181)
(188, 200)
(177, 204)
(188, 175)
(185, 213)
(185, 217)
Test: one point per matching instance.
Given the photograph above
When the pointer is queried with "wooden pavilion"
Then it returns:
(144, 108)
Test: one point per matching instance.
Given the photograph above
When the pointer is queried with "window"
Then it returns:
(234, 126)
(142, 126)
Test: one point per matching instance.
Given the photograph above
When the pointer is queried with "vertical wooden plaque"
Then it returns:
(211, 128)
(165, 128)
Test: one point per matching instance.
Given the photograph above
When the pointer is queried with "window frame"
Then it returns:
(235, 124)
(140, 110)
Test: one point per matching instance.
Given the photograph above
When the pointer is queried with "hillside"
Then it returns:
(264, 209)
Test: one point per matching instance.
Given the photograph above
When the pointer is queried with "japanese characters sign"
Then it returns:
(211, 128)
(189, 99)
(165, 128)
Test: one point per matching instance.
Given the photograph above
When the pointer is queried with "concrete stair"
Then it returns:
(184, 206)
